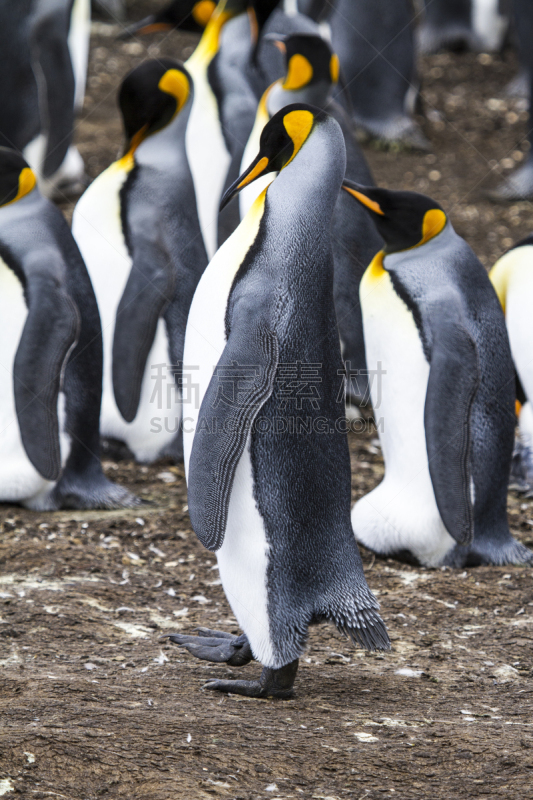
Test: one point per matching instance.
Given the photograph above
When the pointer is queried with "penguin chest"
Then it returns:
(513, 280)
(401, 513)
(207, 154)
(205, 337)
(19, 480)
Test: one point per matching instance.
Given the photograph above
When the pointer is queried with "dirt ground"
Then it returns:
(93, 705)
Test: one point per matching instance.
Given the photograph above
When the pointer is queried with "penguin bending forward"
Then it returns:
(137, 228)
(512, 277)
(51, 354)
(435, 331)
(268, 472)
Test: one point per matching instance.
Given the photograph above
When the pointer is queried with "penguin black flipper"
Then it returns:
(223, 427)
(148, 291)
(449, 398)
(52, 66)
(50, 330)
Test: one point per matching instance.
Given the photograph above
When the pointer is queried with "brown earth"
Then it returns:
(93, 705)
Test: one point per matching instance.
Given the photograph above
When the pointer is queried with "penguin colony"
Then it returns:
(239, 240)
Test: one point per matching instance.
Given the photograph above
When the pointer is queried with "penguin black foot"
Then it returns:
(216, 646)
(487, 553)
(518, 186)
(96, 492)
(272, 683)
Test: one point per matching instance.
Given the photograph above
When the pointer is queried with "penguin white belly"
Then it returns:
(207, 155)
(243, 557)
(19, 480)
(401, 513)
(488, 24)
(518, 317)
(97, 228)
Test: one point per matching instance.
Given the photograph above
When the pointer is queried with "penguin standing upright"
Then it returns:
(311, 75)
(512, 277)
(51, 354)
(468, 24)
(519, 185)
(258, 454)
(44, 45)
(374, 40)
(434, 327)
(137, 228)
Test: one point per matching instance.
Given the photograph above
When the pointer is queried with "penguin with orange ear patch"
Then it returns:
(138, 230)
(443, 392)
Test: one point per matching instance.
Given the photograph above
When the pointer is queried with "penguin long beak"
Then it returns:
(147, 25)
(361, 195)
(261, 166)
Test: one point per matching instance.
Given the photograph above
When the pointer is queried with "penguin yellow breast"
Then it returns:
(516, 265)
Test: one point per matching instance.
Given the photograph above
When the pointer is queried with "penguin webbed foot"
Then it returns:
(272, 683)
(215, 646)
(489, 553)
(93, 491)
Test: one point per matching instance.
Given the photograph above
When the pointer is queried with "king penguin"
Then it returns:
(374, 40)
(44, 46)
(462, 24)
(445, 397)
(51, 354)
(188, 15)
(137, 229)
(311, 75)
(519, 185)
(268, 467)
(512, 277)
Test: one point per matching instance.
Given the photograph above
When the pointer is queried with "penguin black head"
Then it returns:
(16, 178)
(150, 97)
(309, 59)
(403, 219)
(189, 15)
(281, 140)
(259, 11)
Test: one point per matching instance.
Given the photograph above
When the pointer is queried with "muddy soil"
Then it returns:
(94, 705)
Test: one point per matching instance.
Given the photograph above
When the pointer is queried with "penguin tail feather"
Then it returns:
(363, 626)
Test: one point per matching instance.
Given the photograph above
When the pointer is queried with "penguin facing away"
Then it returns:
(137, 228)
(271, 504)
(462, 24)
(512, 277)
(434, 327)
(44, 44)
(312, 71)
(519, 185)
(374, 40)
(51, 351)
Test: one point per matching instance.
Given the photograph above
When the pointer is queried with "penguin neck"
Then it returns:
(446, 237)
(163, 147)
(315, 94)
(306, 190)
(209, 43)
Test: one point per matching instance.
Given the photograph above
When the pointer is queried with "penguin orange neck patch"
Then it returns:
(27, 182)
(175, 83)
(298, 125)
(299, 73)
(203, 11)
(432, 224)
